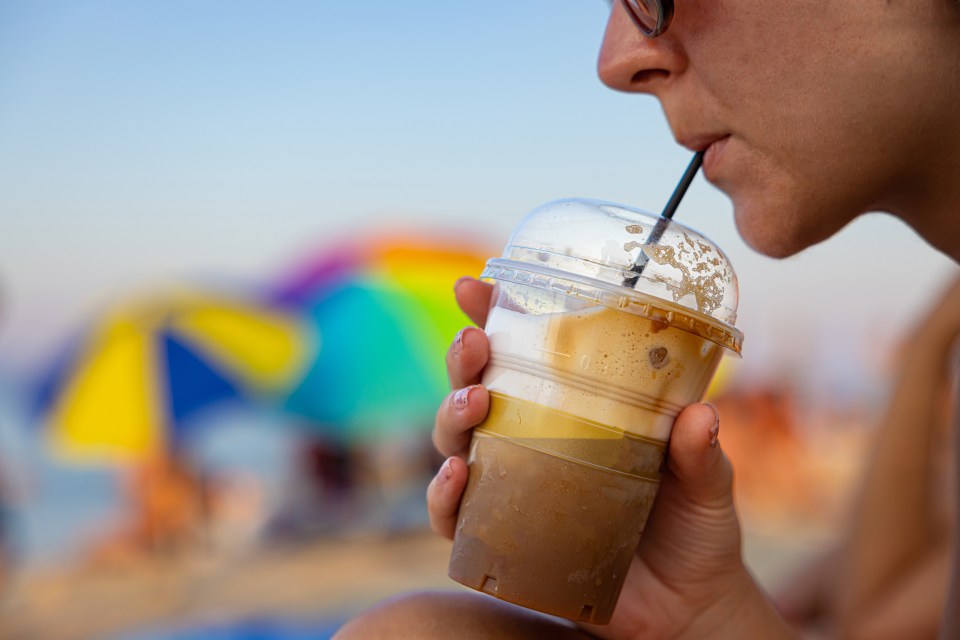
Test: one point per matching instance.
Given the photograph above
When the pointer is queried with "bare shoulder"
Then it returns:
(439, 614)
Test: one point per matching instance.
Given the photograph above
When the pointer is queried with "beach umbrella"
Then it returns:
(132, 384)
(384, 314)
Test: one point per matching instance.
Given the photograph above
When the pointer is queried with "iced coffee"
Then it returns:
(585, 380)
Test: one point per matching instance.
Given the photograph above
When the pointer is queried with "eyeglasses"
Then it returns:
(652, 17)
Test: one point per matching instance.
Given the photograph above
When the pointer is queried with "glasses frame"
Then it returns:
(663, 15)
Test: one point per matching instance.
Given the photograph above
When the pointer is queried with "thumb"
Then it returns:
(703, 473)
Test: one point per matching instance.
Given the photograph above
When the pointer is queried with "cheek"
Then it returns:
(782, 79)
(755, 46)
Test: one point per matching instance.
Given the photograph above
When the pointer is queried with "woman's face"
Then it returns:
(811, 112)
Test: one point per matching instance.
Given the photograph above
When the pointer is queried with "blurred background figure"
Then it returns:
(321, 497)
(888, 577)
(6, 533)
(382, 310)
(132, 390)
(766, 445)
(165, 509)
(8, 499)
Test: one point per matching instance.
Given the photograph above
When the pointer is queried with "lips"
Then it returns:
(711, 158)
(712, 145)
(700, 142)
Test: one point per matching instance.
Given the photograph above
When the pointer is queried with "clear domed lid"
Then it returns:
(600, 245)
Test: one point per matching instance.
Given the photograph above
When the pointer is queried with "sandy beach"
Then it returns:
(322, 580)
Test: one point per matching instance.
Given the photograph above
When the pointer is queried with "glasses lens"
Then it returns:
(651, 16)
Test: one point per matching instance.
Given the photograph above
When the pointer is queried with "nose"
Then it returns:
(629, 61)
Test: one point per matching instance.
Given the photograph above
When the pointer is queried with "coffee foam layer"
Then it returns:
(601, 364)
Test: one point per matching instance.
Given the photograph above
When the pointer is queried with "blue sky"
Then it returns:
(142, 141)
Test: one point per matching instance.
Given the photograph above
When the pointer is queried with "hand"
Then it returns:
(687, 577)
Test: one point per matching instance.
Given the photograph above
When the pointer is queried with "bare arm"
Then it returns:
(913, 607)
(893, 525)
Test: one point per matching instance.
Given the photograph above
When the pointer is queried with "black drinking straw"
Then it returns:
(664, 221)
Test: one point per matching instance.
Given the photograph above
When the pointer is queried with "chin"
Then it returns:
(781, 227)
(768, 245)
(780, 213)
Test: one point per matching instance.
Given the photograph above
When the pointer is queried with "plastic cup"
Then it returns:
(586, 377)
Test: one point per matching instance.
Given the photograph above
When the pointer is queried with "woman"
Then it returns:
(810, 114)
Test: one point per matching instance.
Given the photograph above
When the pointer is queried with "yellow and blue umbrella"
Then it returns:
(384, 313)
(132, 385)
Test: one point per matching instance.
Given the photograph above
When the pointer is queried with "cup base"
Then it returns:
(545, 532)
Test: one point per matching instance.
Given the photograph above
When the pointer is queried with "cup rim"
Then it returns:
(616, 297)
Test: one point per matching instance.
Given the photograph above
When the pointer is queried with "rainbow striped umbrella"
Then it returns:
(133, 384)
(384, 314)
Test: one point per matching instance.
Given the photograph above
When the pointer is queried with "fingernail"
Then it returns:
(459, 280)
(715, 429)
(462, 398)
(446, 471)
(458, 341)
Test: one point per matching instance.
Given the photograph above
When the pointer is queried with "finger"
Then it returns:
(703, 472)
(467, 357)
(443, 496)
(473, 297)
(457, 416)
